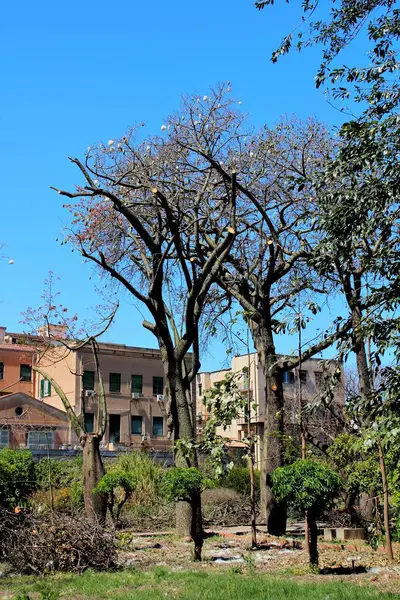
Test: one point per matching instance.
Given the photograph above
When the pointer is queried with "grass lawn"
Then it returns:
(161, 583)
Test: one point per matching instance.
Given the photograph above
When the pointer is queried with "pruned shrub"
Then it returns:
(43, 544)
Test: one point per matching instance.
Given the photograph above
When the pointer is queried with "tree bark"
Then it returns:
(386, 519)
(93, 471)
(188, 520)
(196, 527)
(313, 546)
(272, 513)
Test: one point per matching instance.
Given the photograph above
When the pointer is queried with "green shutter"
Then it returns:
(42, 388)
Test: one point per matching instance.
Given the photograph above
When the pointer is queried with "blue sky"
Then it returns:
(76, 73)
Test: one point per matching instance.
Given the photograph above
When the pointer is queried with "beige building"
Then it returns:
(251, 381)
(134, 385)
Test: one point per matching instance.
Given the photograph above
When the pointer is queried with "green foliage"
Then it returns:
(17, 476)
(63, 473)
(182, 483)
(114, 479)
(306, 485)
(118, 486)
(148, 475)
(238, 479)
(224, 403)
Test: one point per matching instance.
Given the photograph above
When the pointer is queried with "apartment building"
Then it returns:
(16, 373)
(133, 379)
(312, 375)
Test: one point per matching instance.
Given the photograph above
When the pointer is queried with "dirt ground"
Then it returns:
(230, 548)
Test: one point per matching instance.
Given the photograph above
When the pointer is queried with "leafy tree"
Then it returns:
(17, 476)
(376, 83)
(310, 487)
(184, 485)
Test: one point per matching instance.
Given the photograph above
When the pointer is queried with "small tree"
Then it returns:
(117, 487)
(184, 485)
(310, 487)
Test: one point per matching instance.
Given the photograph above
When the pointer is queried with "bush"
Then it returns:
(306, 485)
(182, 483)
(238, 479)
(17, 476)
(148, 475)
(63, 473)
(117, 486)
(39, 545)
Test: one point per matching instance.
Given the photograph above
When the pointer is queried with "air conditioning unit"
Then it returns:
(199, 416)
(144, 437)
(135, 395)
(90, 393)
(160, 397)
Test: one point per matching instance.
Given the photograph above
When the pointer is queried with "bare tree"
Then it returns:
(268, 263)
(55, 335)
(139, 218)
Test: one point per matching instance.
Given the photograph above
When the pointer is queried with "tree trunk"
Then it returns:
(93, 471)
(386, 520)
(184, 429)
(196, 527)
(313, 546)
(272, 513)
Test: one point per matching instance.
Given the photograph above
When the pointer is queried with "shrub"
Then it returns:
(39, 545)
(63, 473)
(310, 487)
(118, 486)
(148, 475)
(182, 483)
(17, 476)
(238, 479)
(306, 485)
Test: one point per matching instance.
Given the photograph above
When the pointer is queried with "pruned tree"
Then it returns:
(139, 218)
(268, 264)
(55, 335)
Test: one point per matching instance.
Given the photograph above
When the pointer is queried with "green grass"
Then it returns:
(160, 583)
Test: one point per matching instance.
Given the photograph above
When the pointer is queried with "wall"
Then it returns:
(13, 355)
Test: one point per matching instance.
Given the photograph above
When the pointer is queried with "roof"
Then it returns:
(15, 347)
(112, 346)
(9, 400)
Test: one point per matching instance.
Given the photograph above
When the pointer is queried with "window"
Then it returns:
(136, 427)
(4, 438)
(41, 439)
(45, 388)
(158, 426)
(158, 385)
(25, 373)
(288, 377)
(137, 384)
(318, 379)
(115, 382)
(88, 380)
(89, 422)
(200, 388)
(303, 376)
(1, 370)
